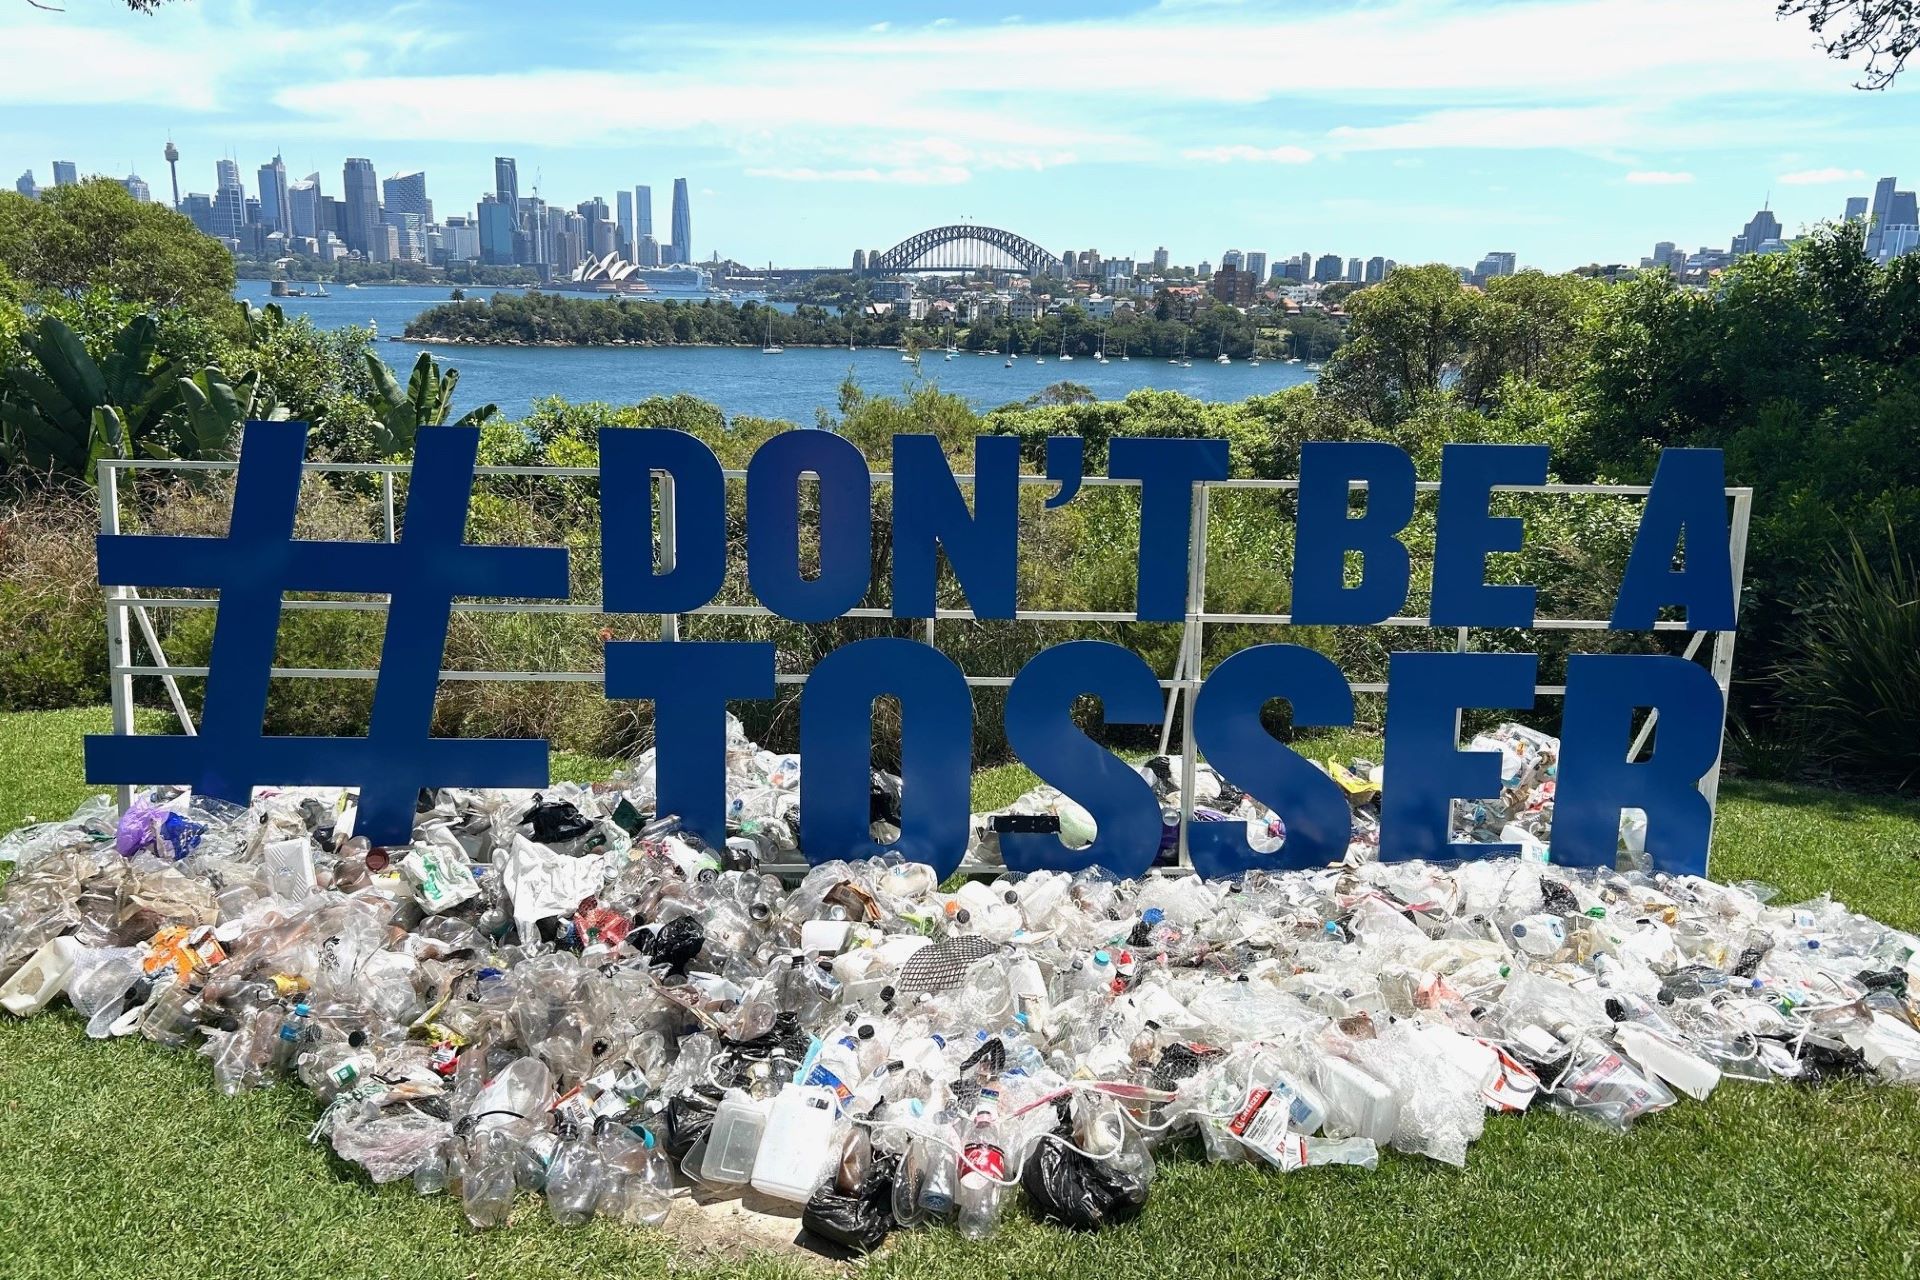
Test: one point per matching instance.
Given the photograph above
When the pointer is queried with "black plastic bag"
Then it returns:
(1068, 1188)
(556, 822)
(674, 943)
(859, 1222)
(687, 1121)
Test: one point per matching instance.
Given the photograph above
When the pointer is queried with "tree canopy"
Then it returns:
(94, 236)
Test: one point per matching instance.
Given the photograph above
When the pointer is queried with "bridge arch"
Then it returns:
(965, 247)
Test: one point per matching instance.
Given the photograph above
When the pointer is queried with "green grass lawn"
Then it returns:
(119, 1158)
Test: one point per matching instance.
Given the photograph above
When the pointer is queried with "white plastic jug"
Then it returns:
(797, 1146)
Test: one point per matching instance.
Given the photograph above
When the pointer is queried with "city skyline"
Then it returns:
(1188, 124)
(626, 225)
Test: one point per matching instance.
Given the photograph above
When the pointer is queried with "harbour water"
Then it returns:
(741, 380)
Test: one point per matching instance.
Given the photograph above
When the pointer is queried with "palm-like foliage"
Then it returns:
(62, 411)
(426, 401)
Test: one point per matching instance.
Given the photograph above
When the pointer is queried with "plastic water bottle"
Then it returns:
(983, 1168)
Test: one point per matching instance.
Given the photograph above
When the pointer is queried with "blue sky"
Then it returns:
(1566, 130)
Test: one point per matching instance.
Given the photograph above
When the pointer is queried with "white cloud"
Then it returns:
(835, 95)
(1242, 152)
(1659, 178)
(1820, 177)
(1494, 128)
(936, 176)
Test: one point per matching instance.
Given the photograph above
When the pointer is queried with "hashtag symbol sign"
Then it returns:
(422, 573)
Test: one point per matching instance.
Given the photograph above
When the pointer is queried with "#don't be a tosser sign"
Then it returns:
(1682, 560)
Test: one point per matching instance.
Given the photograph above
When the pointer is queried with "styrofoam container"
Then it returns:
(1356, 1102)
(35, 983)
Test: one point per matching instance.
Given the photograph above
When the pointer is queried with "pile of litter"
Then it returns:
(565, 994)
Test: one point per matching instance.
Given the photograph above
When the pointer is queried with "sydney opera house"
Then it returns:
(614, 274)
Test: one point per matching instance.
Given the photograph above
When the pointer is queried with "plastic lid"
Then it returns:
(1153, 915)
(1101, 957)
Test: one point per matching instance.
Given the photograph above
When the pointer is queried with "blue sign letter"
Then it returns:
(691, 683)
(928, 509)
(1688, 498)
(1226, 725)
(936, 752)
(1040, 728)
(1324, 534)
(773, 525)
(1597, 780)
(1167, 471)
(697, 562)
(1425, 768)
(1466, 534)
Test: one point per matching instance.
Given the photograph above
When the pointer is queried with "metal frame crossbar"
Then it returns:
(1182, 687)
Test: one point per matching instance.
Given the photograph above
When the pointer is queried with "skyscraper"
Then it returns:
(363, 209)
(682, 223)
(137, 187)
(199, 211)
(1257, 267)
(1233, 258)
(1376, 269)
(274, 209)
(1326, 269)
(1496, 263)
(1881, 208)
(623, 222)
(303, 208)
(26, 186)
(229, 200)
(1762, 227)
(172, 154)
(506, 182)
(65, 173)
(642, 212)
(407, 193)
(1160, 259)
(1903, 212)
(1856, 209)
(1356, 271)
(497, 225)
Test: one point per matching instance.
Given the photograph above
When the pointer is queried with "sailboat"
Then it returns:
(1010, 356)
(952, 350)
(320, 290)
(771, 349)
(1223, 357)
(1102, 359)
(1124, 357)
(1183, 362)
(1064, 357)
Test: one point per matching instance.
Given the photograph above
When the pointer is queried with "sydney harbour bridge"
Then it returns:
(964, 246)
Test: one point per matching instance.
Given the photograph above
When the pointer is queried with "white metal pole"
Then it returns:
(119, 645)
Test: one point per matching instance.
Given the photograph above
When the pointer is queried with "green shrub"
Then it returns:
(1852, 680)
